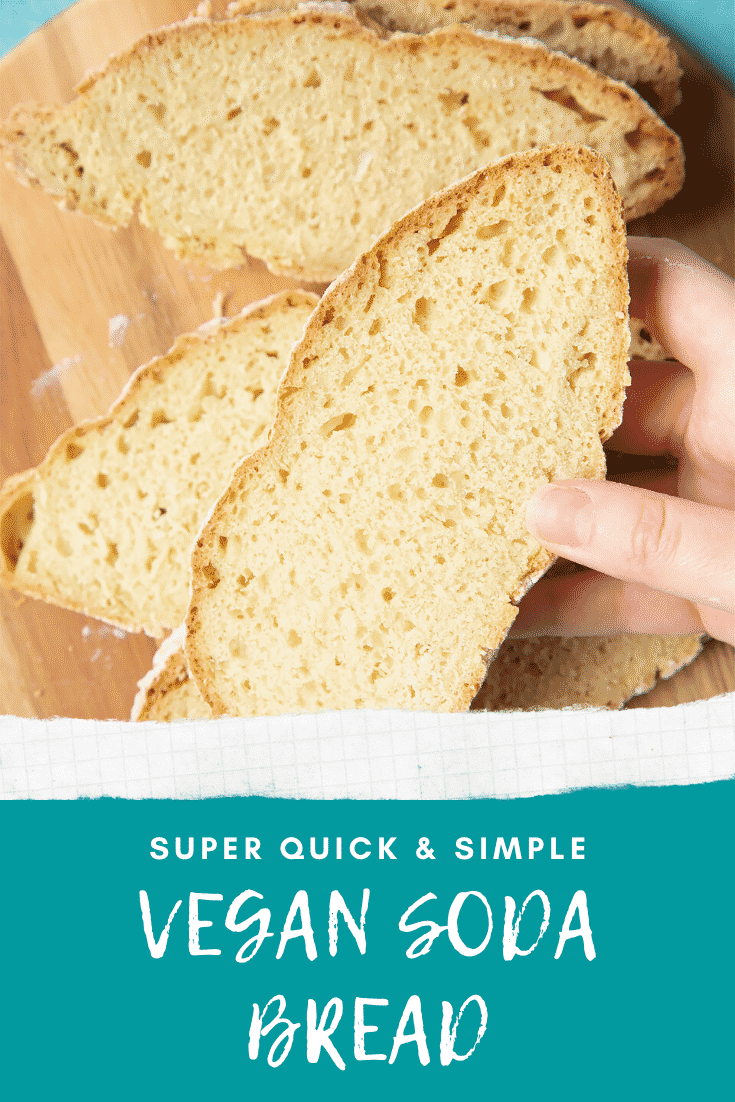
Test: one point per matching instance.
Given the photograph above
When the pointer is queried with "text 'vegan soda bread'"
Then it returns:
(623, 46)
(105, 524)
(299, 136)
(370, 554)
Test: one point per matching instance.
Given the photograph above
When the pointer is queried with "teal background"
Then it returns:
(708, 26)
(90, 1015)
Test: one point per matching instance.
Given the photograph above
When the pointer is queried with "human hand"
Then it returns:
(662, 554)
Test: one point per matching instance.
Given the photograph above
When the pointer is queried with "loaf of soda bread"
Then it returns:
(371, 553)
(623, 46)
(300, 136)
(106, 523)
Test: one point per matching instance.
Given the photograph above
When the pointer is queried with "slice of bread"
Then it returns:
(548, 672)
(601, 671)
(106, 523)
(299, 136)
(623, 46)
(370, 554)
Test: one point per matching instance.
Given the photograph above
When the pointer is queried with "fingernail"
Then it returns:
(560, 515)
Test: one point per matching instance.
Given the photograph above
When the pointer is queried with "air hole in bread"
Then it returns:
(233, 113)
(499, 195)
(131, 420)
(111, 557)
(313, 80)
(530, 298)
(158, 417)
(564, 98)
(73, 450)
(422, 313)
(213, 578)
(451, 100)
(158, 110)
(69, 148)
(494, 230)
(497, 292)
(362, 542)
(480, 137)
(555, 28)
(244, 580)
(375, 327)
(269, 125)
(440, 481)
(461, 378)
(338, 423)
(453, 224)
(293, 638)
(14, 528)
(144, 158)
(580, 21)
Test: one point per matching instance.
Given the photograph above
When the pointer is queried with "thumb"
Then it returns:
(668, 543)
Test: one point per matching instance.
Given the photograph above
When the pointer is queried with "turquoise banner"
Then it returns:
(627, 994)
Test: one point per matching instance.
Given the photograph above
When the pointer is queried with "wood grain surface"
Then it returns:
(64, 358)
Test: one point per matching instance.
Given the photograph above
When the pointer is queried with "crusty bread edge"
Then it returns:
(672, 170)
(642, 33)
(16, 486)
(365, 267)
(167, 650)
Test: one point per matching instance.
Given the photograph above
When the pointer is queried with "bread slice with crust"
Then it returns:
(371, 554)
(106, 523)
(300, 136)
(623, 46)
(548, 672)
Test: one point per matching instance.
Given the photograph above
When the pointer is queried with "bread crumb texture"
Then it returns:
(614, 42)
(106, 523)
(526, 675)
(300, 136)
(369, 555)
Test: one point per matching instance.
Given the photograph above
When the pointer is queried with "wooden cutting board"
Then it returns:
(82, 307)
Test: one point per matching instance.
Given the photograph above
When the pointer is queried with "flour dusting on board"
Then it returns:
(53, 375)
(103, 629)
(117, 327)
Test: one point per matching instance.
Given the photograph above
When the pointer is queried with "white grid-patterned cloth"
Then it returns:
(369, 755)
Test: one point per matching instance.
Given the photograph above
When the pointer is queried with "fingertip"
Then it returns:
(560, 515)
